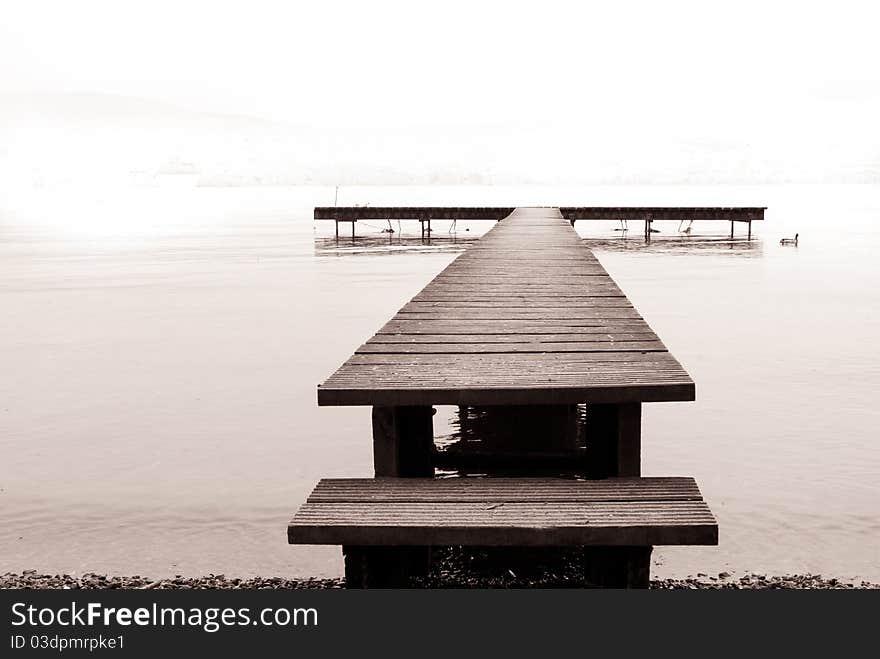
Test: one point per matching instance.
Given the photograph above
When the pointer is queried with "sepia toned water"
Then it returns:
(160, 348)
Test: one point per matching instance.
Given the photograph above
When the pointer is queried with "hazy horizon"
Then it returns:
(342, 93)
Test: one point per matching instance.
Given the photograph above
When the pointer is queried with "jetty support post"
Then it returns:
(422, 220)
(378, 567)
(403, 442)
(618, 567)
(614, 433)
(614, 439)
(731, 229)
(750, 229)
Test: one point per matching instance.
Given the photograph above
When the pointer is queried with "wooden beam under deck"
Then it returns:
(495, 213)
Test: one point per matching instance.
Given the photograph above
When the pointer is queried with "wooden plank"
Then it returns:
(492, 366)
(492, 275)
(536, 297)
(513, 326)
(411, 327)
(508, 348)
(502, 314)
(547, 288)
(535, 304)
(451, 490)
(512, 338)
(557, 391)
(475, 260)
(490, 363)
(513, 512)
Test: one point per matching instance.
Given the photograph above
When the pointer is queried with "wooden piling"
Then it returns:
(618, 567)
(614, 440)
(403, 438)
(403, 443)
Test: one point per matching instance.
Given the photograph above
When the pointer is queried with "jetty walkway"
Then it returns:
(525, 319)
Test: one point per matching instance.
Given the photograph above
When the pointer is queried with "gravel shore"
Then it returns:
(453, 567)
(32, 580)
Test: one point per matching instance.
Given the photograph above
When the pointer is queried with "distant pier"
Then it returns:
(646, 214)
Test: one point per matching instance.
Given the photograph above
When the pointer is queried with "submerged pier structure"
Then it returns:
(624, 214)
(526, 323)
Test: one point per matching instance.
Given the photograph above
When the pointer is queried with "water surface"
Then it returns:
(160, 350)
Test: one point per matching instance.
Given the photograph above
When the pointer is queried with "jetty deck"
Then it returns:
(527, 315)
(526, 325)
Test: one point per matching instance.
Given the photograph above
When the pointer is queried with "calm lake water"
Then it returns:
(160, 349)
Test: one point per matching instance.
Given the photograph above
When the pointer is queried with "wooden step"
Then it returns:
(505, 512)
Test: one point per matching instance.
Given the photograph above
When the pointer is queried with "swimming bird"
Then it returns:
(789, 241)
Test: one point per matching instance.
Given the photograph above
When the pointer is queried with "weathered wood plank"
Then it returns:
(410, 212)
(534, 304)
(451, 490)
(508, 348)
(557, 391)
(588, 313)
(482, 512)
(416, 325)
(654, 361)
(412, 327)
(646, 335)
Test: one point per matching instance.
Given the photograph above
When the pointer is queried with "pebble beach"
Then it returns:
(89, 581)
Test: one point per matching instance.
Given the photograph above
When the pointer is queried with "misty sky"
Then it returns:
(767, 87)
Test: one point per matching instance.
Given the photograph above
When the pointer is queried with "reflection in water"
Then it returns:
(683, 244)
(377, 237)
(670, 238)
(547, 440)
(540, 440)
(378, 243)
(373, 239)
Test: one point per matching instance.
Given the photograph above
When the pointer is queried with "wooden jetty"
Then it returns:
(525, 319)
(646, 214)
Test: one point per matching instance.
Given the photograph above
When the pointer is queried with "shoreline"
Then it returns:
(32, 580)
